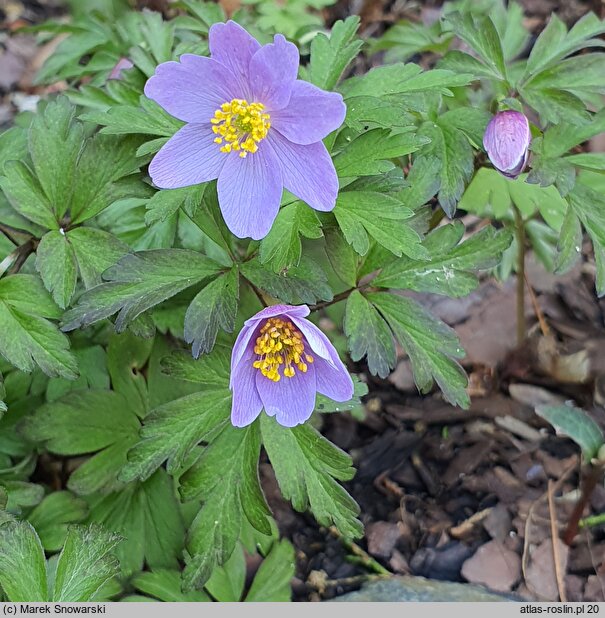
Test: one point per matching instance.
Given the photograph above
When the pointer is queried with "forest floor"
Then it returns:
(445, 493)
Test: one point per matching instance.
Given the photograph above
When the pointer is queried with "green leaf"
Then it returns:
(147, 119)
(165, 585)
(55, 141)
(481, 35)
(368, 334)
(561, 138)
(450, 146)
(589, 207)
(588, 160)
(360, 213)
(405, 39)
(21, 495)
(577, 425)
(341, 255)
(213, 368)
(13, 145)
(569, 246)
(365, 112)
(164, 204)
(369, 153)
(225, 477)
(282, 247)
(127, 360)
(138, 282)
(331, 56)
(423, 182)
(22, 564)
(95, 251)
(56, 263)
(325, 405)
(227, 582)
(85, 564)
(399, 79)
(104, 424)
(26, 196)
(305, 283)
(54, 515)
(490, 194)
(213, 308)
(171, 431)
(555, 42)
(555, 105)
(461, 62)
(546, 171)
(450, 269)
(307, 467)
(431, 345)
(103, 175)
(27, 339)
(148, 516)
(272, 580)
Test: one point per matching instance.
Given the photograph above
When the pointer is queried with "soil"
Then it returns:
(446, 493)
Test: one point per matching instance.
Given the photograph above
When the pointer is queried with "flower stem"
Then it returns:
(362, 556)
(520, 234)
(593, 520)
(588, 486)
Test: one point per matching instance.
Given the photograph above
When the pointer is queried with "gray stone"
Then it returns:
(419, 589)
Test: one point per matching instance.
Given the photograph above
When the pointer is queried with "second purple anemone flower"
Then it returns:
(279, 362)
(250, 123)
(506, 141)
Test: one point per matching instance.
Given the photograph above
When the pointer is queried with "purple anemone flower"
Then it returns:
(251, 124)
(279, 362)
(506, 140)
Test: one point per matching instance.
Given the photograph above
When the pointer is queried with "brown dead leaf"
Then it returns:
(494, 566)
(382, 537)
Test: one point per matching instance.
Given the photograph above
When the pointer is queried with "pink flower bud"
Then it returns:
(121, 65)
(506, 140)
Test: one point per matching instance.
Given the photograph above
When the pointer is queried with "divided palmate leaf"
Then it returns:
(481, 35)
(306, 283)
(282, 247)
(86, 563)
(173, 430)
(432, 346)
(225, 477)
(148, 517)
(368, 334)
(451, 266)
(308, 468)
(27, 338)
(54, 516)
(370, 153)
(363, 213)
(22, 564)
(106, 426)
(213, 308)
(331, 55)
(138, 282)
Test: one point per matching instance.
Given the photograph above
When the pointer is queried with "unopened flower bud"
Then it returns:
(121, 65)
(506, 140)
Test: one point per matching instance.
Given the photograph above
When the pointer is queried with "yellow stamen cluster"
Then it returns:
(240, 126)
(280, 343)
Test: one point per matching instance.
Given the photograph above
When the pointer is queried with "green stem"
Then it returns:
(520, 234)
(593, 520)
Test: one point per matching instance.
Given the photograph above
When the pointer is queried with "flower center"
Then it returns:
(240, 126)
(280, 343)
